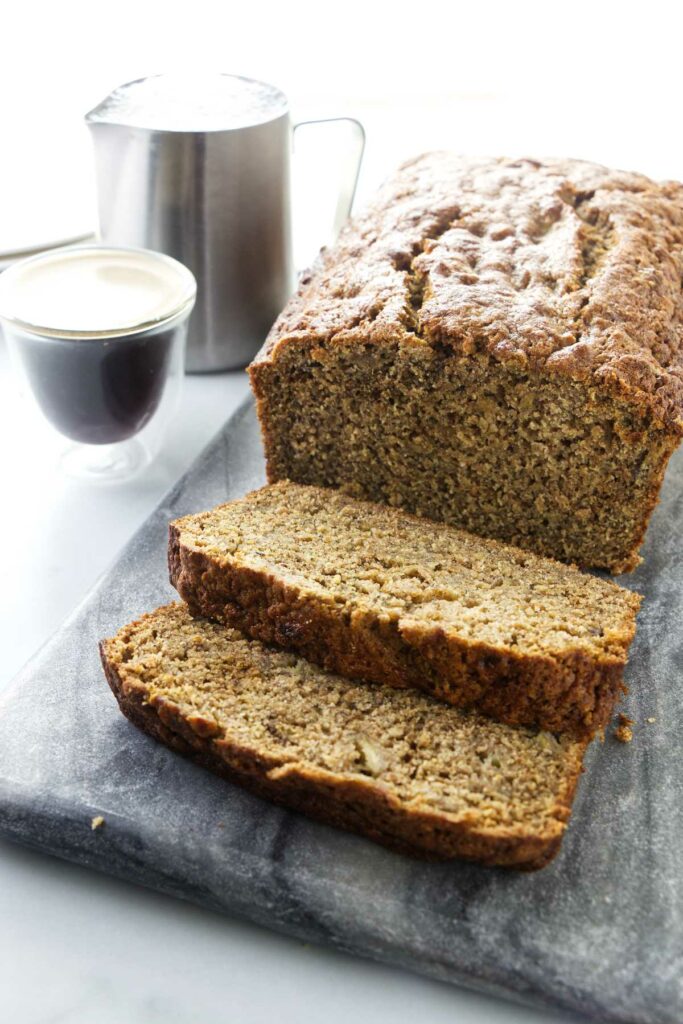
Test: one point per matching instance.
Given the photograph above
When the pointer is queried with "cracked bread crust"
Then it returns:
(559, 267)
(157, 699)
(496, 344)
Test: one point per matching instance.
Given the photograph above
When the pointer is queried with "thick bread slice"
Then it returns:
(393, 765)
(377, 594)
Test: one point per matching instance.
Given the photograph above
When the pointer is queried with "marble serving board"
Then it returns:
(599, 932)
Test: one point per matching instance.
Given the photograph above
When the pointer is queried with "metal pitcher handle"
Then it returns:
(354, 160)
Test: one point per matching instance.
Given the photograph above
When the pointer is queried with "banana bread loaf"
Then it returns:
(494, 343)
(377, 594)
(393, 765)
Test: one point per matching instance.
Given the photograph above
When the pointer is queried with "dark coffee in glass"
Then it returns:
(97, 335)
(98, 391)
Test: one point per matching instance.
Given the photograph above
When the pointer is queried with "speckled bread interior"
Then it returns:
(394, 765)
(495, 344)
(377, 594)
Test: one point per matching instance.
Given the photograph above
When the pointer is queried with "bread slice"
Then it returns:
(394, 765)
(377, 594)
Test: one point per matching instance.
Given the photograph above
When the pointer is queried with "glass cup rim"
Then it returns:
(180, 308)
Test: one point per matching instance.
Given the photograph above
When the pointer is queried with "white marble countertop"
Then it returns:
(76, 947)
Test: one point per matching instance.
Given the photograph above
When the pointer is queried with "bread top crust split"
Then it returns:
(393, 764)
(558, 267)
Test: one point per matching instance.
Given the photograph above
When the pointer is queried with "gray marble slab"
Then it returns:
(599, 932)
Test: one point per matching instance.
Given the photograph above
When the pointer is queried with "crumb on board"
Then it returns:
(651, 719)
(624, 732)
(97, 822)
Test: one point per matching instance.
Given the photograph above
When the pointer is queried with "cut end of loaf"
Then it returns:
(555, 466)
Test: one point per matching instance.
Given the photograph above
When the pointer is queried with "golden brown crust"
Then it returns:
(355, 804)
(574, 694)
(571, 690)
(561, 267)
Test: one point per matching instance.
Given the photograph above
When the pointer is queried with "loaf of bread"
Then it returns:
(378, 594)
(393, 765)
(496, 344)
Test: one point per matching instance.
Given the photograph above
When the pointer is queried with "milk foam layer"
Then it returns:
(94, 290)
(191, 103)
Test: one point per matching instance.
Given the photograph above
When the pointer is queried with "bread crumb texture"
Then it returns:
(378, 594)
(432, 778)
(624, 729)
(493, 343)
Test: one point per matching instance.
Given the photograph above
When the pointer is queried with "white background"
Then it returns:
(587, 79)
(594, 80)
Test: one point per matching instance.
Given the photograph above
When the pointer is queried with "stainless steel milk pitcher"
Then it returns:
(199, 168)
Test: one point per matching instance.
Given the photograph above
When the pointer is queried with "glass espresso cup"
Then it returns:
(97, 336)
